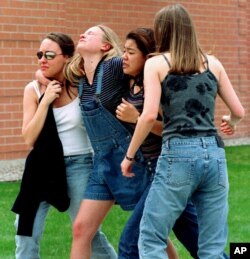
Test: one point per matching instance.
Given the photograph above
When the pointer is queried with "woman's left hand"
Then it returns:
(127, 112)
(126, 167)
(226, 126)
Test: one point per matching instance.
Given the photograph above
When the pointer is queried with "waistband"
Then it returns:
(197, 141)
(78, 155)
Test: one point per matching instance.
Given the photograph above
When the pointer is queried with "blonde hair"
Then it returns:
(175, 33)
(74, 69)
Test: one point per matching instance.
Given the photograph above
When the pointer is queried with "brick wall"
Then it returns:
(223, 27)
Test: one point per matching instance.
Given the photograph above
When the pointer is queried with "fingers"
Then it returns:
(227, 128)
(128, 174)
(126, 167)
(120, 109)
(125, 102)
(121, 106)
(55, 84)
(53, 91)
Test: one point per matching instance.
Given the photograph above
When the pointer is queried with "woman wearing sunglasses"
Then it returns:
(58, 165)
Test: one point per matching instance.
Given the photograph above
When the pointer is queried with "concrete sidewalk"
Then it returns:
(11, 170)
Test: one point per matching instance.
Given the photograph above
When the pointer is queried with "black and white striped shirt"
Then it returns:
(114, 85)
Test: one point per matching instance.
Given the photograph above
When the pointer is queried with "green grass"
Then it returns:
(56, 240)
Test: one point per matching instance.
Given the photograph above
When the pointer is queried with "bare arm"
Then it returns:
(34, 114)
(228, 95)
(149, 114)
(41, 78)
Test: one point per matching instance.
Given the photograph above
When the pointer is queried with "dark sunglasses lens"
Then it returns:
(39, 54)
(50, 55)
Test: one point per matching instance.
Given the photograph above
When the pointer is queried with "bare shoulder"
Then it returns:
(214, 62)
(157, 63)
(30, 90)
(215, 65)
(155, 60)
(30, 85)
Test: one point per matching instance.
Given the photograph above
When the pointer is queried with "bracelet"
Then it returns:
(129, 158)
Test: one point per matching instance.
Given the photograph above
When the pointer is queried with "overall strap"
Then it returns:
(99, 81)
(80, 87)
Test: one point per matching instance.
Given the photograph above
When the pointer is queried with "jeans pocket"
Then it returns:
(223, 176)
(179, 171)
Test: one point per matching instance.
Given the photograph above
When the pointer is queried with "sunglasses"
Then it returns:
(49, 55)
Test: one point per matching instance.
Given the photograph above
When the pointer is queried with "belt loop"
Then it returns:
(204, 145)
(115, 143)
(167, 144)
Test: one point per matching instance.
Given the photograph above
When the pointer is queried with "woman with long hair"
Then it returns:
(192, 165)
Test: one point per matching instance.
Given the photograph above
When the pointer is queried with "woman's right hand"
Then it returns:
(53, 90)
(126, 167)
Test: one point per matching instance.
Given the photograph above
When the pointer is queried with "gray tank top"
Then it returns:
(188, 103)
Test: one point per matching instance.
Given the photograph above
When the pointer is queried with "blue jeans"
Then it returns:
(185, 229)
(189, 168)
(78, 169)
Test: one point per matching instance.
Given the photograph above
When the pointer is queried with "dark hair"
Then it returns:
(67, 47)
(144, 39)
(64, 41)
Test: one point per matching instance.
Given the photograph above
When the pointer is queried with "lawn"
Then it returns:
(57, 235)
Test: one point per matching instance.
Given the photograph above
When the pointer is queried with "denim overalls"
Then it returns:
(110, 141)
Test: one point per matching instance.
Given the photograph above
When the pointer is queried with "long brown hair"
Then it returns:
(175, 33)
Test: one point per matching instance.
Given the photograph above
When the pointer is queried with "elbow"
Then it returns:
(237, 116)
(240, 114)
(149, 118)
(28, 141)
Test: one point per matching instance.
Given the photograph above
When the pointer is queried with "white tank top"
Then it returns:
(70, 127)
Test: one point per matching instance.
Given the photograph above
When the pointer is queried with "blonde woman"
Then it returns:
(102, 84)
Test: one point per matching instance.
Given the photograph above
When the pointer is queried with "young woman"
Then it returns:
(138, 45)
(102, 84)
(58, 167)
(192, 164)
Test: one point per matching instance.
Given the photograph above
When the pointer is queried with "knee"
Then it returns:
(81, 231)
(77, 229)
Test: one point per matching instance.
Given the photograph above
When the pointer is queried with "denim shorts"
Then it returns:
(106, 182)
